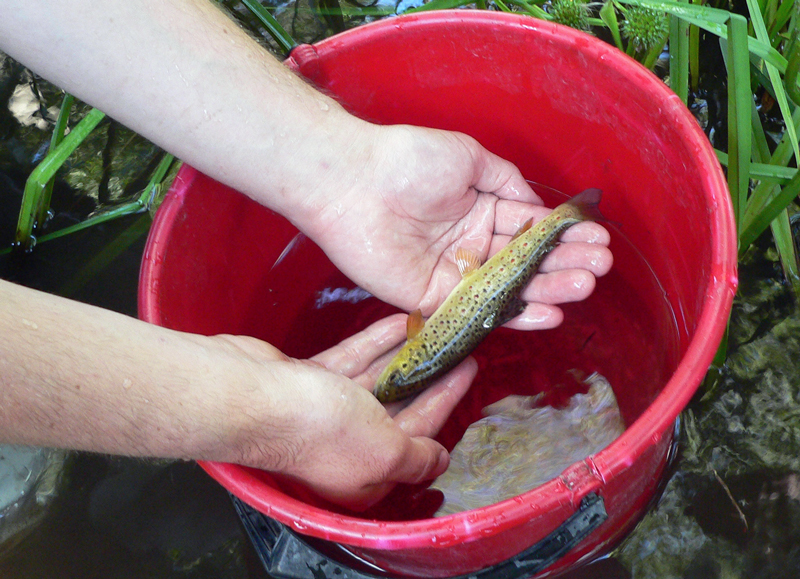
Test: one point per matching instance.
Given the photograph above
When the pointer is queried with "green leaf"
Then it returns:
(739, 102)
(763, 193)
(609, 17)
(679, 57)
(784, 241)
(777, 83)
(715, 21)
(781, 18)
(763, 171)
(36, 184)
(275, 30)
(770, 211)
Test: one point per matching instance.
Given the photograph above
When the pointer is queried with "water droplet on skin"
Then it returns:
(324, 106)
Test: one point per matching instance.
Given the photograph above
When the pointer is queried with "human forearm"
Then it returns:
(76, 376)
(185, 76)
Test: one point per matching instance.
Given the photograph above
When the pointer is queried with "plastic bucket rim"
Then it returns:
(359, 532)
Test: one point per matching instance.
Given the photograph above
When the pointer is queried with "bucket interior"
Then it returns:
(571, 113)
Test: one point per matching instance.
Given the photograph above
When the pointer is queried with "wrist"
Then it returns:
(327, 161)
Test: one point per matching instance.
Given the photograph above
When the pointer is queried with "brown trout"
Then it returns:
(486, 298)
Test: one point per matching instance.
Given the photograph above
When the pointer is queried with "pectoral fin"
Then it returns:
(467, 261)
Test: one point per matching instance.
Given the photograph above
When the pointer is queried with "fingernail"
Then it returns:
(444, 461)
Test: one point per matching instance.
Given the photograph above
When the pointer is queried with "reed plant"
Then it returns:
(35, 206)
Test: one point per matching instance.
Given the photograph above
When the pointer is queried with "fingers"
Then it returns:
(424, 459)
(354, 355)
(592, 257)
(426, 414)
(537, 316)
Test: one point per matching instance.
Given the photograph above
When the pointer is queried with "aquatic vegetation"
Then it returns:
(118, 167)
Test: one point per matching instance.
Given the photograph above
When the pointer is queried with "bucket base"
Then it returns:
(285, 555)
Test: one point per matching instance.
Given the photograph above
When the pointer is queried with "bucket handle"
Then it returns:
(285, 556)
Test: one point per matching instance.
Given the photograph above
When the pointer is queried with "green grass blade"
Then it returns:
(46, 170)
(141, 203)
(679, 57)
(531, 9)
(608, 15)
(769, 212)
(777, 83)
(792, 69)
(784, 241)
(739, 103)
(55, 140)
(694, 53)
(763, 171)
(715, 21)
(760, 145)
(782, 16)
(283, 38)
(764, 192)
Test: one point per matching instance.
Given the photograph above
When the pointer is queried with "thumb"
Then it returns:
(493, 174)
(424, 459)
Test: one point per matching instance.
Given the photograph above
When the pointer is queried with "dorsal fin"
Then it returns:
(414, 323)
(525, 227)
(467, 261)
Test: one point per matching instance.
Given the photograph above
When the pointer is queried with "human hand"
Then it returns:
(422, 193)
(335, 436)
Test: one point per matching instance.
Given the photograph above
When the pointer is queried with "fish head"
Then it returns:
(390, 384)
(400, 379)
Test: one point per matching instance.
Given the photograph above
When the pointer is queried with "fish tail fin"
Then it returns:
(587, 202)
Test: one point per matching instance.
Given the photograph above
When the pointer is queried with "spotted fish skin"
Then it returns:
(485, 299)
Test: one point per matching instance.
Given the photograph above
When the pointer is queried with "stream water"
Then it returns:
(730, 506)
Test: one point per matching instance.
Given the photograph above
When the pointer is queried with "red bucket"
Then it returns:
(572, 113)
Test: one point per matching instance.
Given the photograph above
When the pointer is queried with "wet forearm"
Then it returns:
(184, 75)
(76, 376)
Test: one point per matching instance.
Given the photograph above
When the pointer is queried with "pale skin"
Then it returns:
(389, 205)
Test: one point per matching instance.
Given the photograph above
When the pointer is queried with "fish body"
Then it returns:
(486, 297)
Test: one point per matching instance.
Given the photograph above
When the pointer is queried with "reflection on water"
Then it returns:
(29, 479)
